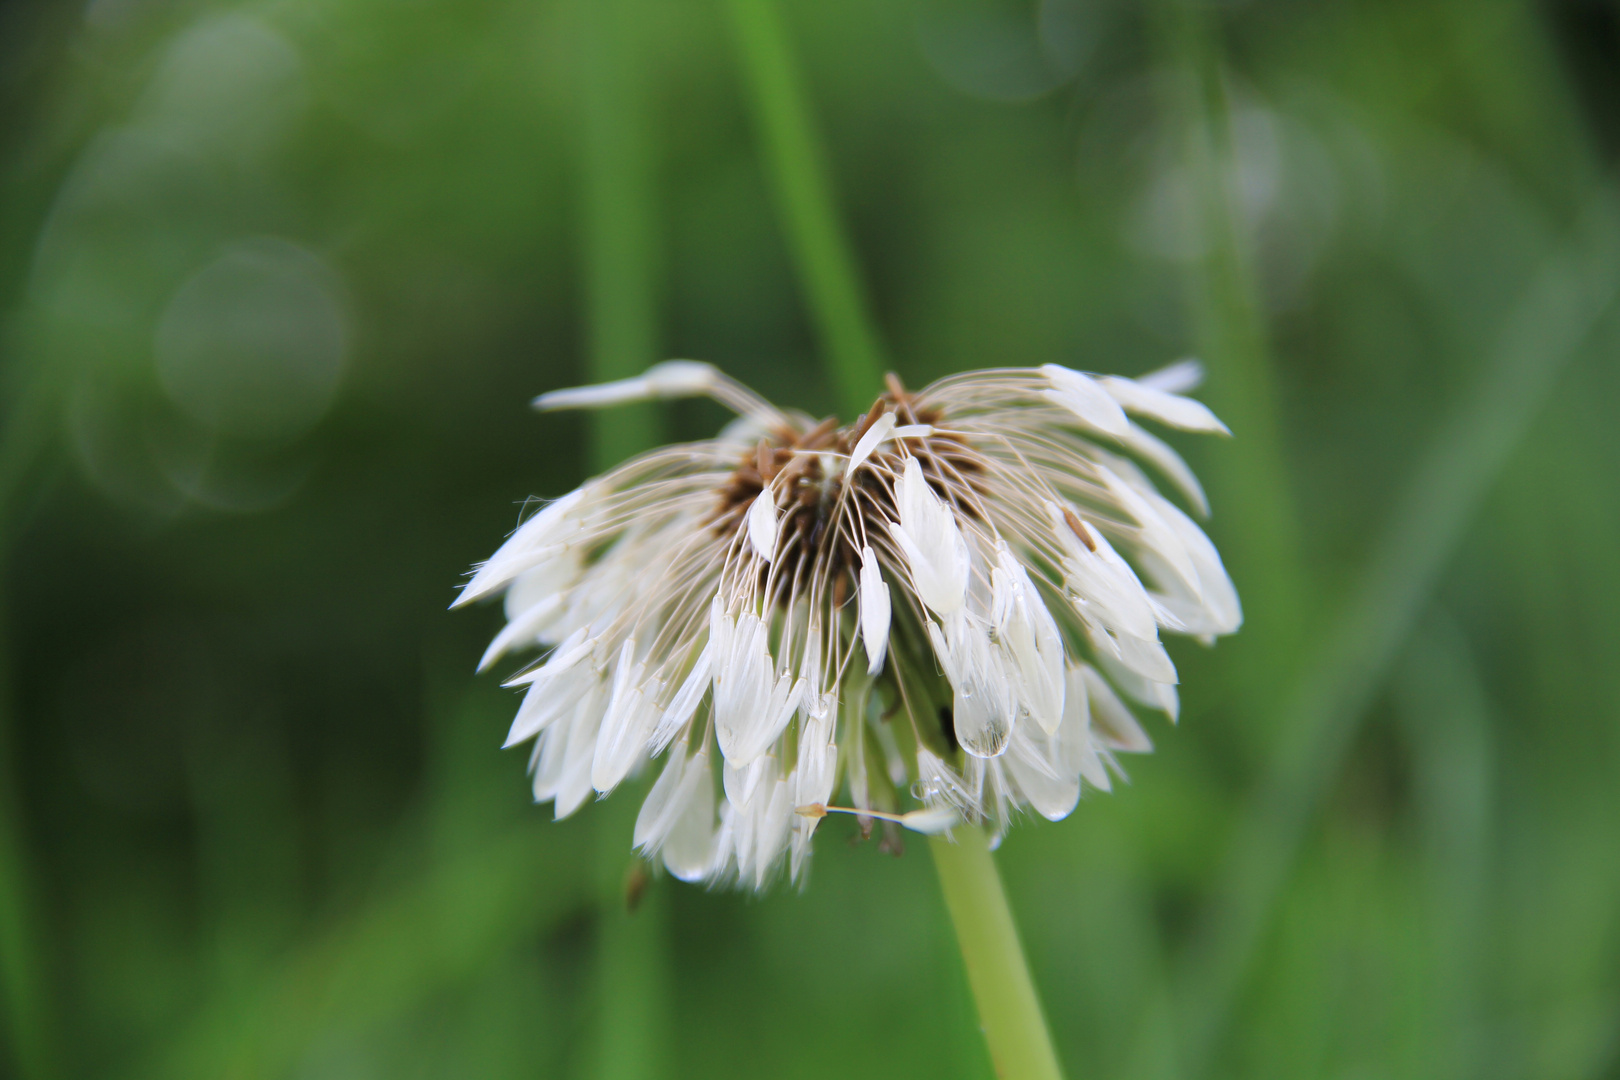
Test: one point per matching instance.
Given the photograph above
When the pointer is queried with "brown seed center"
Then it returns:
(808, 494)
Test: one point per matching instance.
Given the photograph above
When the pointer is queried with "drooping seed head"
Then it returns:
(935, 608)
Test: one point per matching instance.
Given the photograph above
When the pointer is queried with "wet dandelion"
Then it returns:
(938, 611)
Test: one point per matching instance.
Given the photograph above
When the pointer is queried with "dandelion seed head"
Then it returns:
(938, 610)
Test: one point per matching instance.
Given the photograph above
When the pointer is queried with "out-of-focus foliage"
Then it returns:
(279, 277)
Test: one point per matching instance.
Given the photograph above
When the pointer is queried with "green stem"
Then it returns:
(1009, 1010)
(804, 199)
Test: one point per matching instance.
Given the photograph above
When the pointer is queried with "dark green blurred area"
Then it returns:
(278, 280)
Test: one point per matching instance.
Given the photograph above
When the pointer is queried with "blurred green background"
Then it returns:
(279, 277)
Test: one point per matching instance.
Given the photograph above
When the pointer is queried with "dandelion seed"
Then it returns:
(875, 434)
(762, 525)
(933, 819)
(875, 611)
(940, 609)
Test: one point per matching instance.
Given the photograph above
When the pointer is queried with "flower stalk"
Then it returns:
(1009, 1009)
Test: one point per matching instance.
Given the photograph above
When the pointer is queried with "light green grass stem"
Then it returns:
(1009, 1010)
(804, 198)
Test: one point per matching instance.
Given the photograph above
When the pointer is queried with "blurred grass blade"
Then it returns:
(393, 956)
(1547, 327)
(621, 289)
(1249, 478)
(631, 963)
(804, 198)
(1446, 716)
